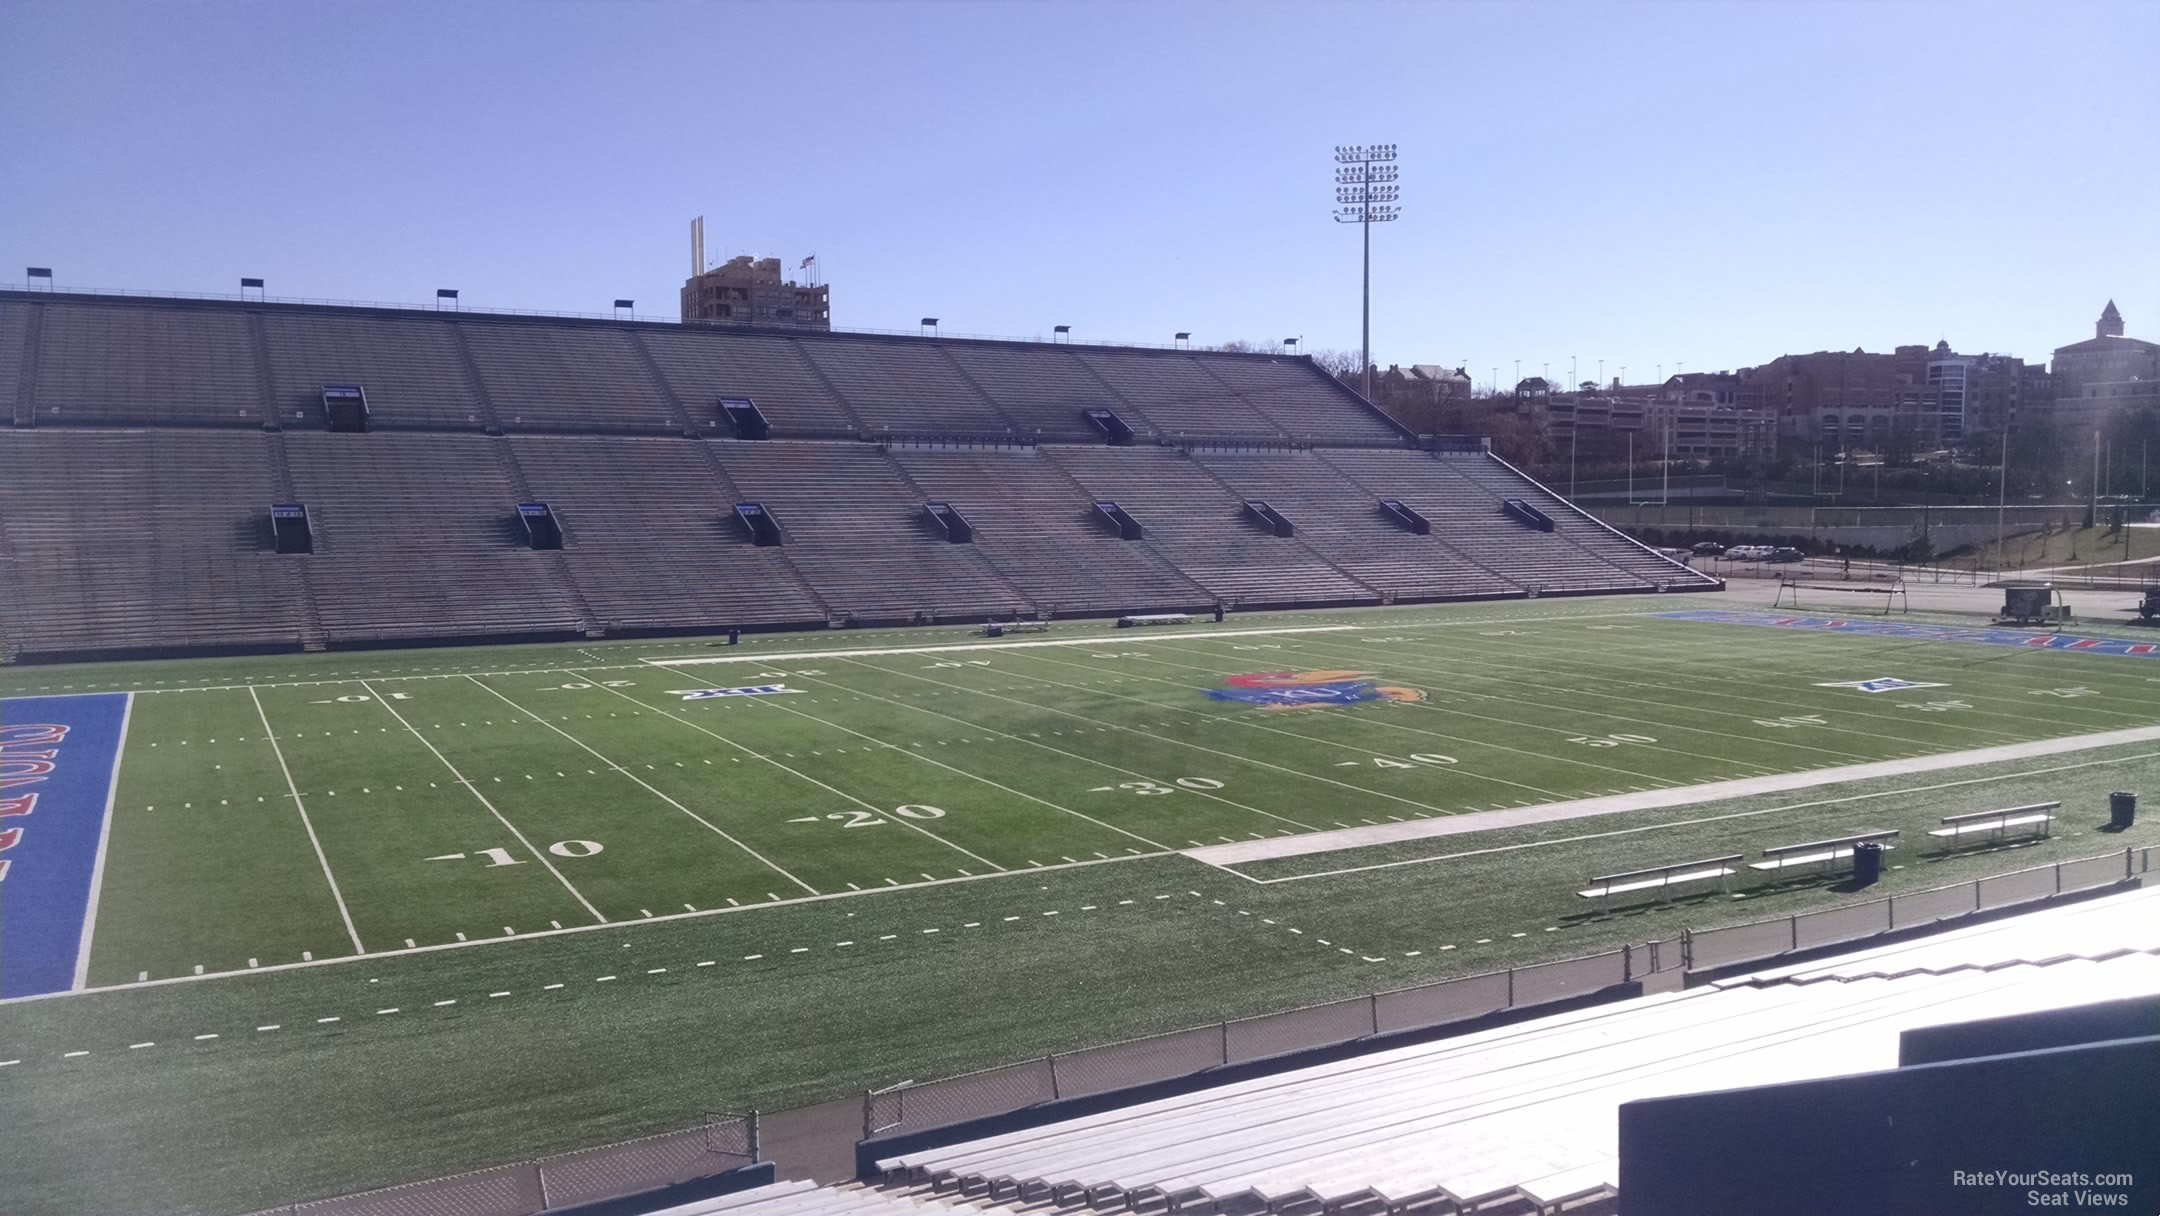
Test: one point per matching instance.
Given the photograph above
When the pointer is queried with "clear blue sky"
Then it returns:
(1700, 183)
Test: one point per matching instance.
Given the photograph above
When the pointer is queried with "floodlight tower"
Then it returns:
(1365, 194)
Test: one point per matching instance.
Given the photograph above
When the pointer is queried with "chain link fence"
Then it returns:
(922, 1106)
(725, 1141)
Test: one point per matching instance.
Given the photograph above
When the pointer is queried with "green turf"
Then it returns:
(1036, 780)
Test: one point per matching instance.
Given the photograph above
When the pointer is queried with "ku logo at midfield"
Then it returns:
(1310, 689)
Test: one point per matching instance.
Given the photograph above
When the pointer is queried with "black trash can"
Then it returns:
(734, 637)
(2122, 809)
(1866, 864)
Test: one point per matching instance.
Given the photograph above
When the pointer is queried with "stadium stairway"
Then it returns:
(521, 492)
(1198, 525)
(1034, 524)
(1342, 520)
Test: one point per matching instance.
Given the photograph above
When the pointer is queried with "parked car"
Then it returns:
(2150, 608)
(1786, 553)
(1708, 548)
(1748, 553)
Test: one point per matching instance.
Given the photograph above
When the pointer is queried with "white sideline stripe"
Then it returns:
(1225, 855)
(305, 822)
(97, 867)
(1107, 640)
(380, 955)
(500, 818)
(715, 828)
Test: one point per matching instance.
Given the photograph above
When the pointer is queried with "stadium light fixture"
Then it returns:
(257, 284)
(39, 272)
(1366, 194)
(1289, 346)
(626, 304)
(446, 293)
(929, 325)
(1181, 339)
(1066, 330)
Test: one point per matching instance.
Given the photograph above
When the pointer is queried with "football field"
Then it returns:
(283, 891)
(278, 821)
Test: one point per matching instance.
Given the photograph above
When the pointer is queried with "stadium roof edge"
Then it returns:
(16, 292)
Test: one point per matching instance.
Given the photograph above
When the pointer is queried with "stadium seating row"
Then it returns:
(86, 360)
(132, 540)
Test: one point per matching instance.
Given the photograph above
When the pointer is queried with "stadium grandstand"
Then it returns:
(265, 476)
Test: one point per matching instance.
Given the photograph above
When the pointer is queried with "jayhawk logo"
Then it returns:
(1310, 689)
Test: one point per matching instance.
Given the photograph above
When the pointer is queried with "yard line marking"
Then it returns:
(559, 929)
(1322, 741)
(695, 660)
(1224, 856)
(300, 805)
(1378, 720)
(1178, 742)
(709, 824)
(500, 818)
(97, 865)
(786, 769)
(1212, 797)
(774, 703)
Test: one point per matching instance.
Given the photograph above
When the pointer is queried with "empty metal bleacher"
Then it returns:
(855, 530)
(1201, 527)
(432, 517)
(1036, 526)
(669, 557)
(134, 540)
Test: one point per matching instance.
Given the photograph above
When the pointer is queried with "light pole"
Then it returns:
(1365, 194)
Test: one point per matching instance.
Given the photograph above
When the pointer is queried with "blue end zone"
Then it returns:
(58, 759)
(2019, 638)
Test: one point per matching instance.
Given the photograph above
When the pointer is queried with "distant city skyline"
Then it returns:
(1650, 185)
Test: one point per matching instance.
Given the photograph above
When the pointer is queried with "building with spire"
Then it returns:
(2107, 371)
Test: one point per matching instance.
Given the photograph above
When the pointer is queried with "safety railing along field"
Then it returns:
(1006, 1089)
(727, 1141)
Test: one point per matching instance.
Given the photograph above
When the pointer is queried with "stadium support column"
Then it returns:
(1365, 194)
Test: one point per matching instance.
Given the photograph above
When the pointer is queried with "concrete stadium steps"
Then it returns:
(1043, 390)
(702, 368)
(1298, 397)
(1594, 538)
(566, 378)
(410, 369)
(906, 388)
(138, 364)
(1466, 514)
(670, 557)
(1526, 1115)
(1342, 520)
(433, 516)
(133, 539)
(1037, 527)
(1201, 527)
(1179, 398)
(856, 532)
(16, 321)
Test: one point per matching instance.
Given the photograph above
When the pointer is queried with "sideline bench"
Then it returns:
(998, 629)
(1822, 852)
(1156, 618)
(1661, 879)
(2036, 817)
